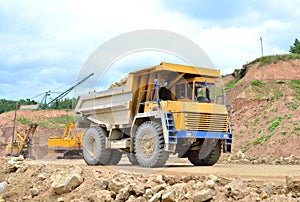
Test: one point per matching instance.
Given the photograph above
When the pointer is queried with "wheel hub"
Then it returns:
(147, 145)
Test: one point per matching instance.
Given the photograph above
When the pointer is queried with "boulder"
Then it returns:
(293, 185)
(237, 189)
(156, 197)
(168, 196)
(203, 195)
(66, 182)
(115, 186)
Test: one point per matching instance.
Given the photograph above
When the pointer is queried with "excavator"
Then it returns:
(69, 144)
(21, 145)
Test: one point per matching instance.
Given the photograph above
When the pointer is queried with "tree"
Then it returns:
(296, 47)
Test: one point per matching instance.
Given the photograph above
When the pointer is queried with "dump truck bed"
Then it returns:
(110, 106)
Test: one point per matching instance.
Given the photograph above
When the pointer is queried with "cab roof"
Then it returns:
(180, 69)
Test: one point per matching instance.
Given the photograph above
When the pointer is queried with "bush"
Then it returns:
(257, 83)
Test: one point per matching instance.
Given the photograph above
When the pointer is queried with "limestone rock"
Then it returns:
(115, 186)
(103, 196)
(123, 194)
(3, 185)
(237, 189)
(203, 195)
(263, 195)
(168, 196)
(210, 184)
(156, 197)
(66, 182)
(34, 191)
(103, 183)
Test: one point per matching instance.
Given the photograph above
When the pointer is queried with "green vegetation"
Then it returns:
(295, 86)
(283, 133)
(230, 84)
(23, 120)
(273, 59)
(262, 139)
(10, 105)
(275, 123)
(295, 48)
(259, 140)
(280, 82)
(257, 83)
(246, 146)
(56, 122)
(297, 128)
(288, 116)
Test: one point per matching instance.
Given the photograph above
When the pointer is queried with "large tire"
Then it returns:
(149, 145)
(93, 147)
(132, 158)
(212, 157)
(115, 157)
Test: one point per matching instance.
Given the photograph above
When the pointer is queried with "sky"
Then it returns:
(44, 43)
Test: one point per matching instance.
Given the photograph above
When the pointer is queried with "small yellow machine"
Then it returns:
(70, 144)
(21, 145)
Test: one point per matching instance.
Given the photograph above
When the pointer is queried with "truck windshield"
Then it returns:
(204, 92)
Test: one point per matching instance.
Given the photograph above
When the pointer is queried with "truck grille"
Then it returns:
(206, 122)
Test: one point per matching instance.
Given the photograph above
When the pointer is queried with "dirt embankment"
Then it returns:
(266, 113)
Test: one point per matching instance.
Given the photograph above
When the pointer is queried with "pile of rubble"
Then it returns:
(20, 181)
(241, 157)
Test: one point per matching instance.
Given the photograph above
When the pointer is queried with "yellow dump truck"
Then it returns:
(161, 110)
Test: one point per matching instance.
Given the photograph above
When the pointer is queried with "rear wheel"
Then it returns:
(93, 147)
(149, 145)
(115, 157)
(209, 159)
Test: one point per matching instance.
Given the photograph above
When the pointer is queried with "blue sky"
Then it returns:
(43, 44)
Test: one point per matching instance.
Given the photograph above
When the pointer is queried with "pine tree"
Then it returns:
(296, 47)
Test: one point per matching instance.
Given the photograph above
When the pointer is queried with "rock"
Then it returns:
(34, 191)
(2, 199)
(141, 199)
(212, 177)
(103, 183)
(148, 193)
(237, 189)
(263, 195)
(210, 184)
(60, 199)
(293, 185)
(3, 185)
(103, 196)
(131, 199)
(159, 187)
(168, 196)
(269, 187)
(264, 160)
(115, 186)
(41, 177)
(156, 197)
(241, 155)
(10, 179)
(203, 195)
(123, 194)
(63, 183)
(137, 189)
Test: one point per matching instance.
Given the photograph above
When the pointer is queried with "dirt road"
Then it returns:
(248, 172)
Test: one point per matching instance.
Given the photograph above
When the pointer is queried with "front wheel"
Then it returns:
(149, 145)
(209, 159)
(93, 147)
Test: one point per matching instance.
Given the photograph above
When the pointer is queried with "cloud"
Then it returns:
(44, 43)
